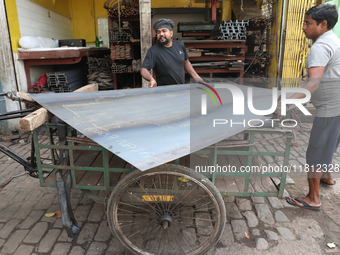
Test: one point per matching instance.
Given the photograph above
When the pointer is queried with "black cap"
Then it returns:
(166, 23)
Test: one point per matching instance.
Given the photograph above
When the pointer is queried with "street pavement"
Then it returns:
(255, 225)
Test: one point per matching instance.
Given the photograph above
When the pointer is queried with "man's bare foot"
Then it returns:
(326, 178)
(305, 199)
(328, 181)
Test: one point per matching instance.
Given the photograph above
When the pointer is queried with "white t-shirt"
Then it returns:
(326, 52)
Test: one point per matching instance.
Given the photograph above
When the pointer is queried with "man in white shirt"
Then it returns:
(323, 71)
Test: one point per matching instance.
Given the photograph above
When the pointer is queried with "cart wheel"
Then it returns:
(169, 210)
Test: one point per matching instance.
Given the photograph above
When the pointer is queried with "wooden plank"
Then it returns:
(117, 162)
(40, 116)
(91, 178)
(35, 119)
(60, 54)
(85, 160)
(50, 179)
(122, 176)
(113, 176)
(213, 41)
(216, 58)
(224, 44)
(114, 162)
(25, 96)
(49, 54)
(185, 161)
(101, 181)
(87, 88)
(129, 166)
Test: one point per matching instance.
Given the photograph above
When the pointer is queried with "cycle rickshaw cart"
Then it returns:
(165, 208)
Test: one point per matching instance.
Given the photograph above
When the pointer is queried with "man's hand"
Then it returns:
(190, 70)
(147, 76)
(198, 79)
(152, 83)
(277, 113)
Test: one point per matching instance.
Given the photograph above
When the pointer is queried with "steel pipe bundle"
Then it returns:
(100, 72)
(103, 79)
(121, 51)
(134, 68)
(262, 59)
(66, 81)
(116, 36)
(99, 64)
(122, 8)
(136, 64)
(233, 30)
(260, 22)
(127, 13)
(119, 68)
(256, 38)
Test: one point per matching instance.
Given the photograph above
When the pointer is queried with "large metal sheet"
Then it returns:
(149, 127)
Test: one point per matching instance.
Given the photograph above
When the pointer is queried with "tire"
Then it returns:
(169, 209)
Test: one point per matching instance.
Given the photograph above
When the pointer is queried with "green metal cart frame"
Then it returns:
(166, 196)
(213, 151)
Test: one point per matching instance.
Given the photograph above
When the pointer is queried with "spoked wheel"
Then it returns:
(168, 210)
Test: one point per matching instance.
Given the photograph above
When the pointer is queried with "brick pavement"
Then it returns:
(269, 222)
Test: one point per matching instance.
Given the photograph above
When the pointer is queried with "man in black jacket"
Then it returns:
(168, 58)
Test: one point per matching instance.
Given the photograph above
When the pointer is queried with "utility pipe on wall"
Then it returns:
(282, 37)
(213, 11)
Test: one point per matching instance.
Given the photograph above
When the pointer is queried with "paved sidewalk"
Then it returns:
(273, 226)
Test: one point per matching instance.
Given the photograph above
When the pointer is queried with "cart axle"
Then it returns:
(165, 221)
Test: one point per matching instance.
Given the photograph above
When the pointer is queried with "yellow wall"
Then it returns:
(13, 21)
(85, 13)
(58, 6)
(83, 20)
(226, 10)
(100, 11)
(176, 4)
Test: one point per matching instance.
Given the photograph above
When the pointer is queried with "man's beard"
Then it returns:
(164, 42)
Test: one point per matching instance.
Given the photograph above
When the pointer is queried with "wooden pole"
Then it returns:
(7, 72)
(145, 29)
